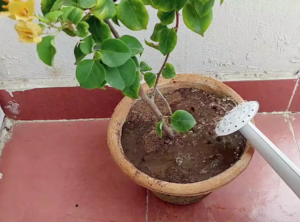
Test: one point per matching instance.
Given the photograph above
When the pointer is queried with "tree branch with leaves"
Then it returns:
(115, 61)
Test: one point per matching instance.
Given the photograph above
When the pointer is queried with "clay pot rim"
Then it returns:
(192, 189)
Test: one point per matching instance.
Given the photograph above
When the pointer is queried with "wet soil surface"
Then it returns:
(190, 157)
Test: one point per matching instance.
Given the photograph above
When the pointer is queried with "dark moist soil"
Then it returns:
(190, 157)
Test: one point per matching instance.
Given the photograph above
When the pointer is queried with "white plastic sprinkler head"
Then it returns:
(239, 118)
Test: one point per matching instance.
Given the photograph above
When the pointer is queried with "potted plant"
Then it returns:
(162, 133)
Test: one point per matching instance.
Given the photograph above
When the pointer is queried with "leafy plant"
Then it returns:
(114, 59)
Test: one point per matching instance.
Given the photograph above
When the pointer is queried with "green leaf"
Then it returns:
(42, 26)
(136, 62)
(115, 20)
(87, 44)
(203, 9)
(193, 21)
(133, 14)
(179, 4)
(122, 76)
(182, 121)
(86, 3)
(102, 85)
(145, 67)
(152, 45)
(164, 5)
(147, 2)
(99, 30)
(169, 71)
(47, 5)
(97, 55)
(69, 32)
(156, 33)
(66, 12)
(75, 16)
(150, 78)
(133, 44)
(166, 18)
(114, 52)
(60, 3)
(79, 55)
(222, 2)
(104, 9)
(167, 41)
(82, 29)
(90, 74)
(52, 16)
(41, 18)
(46, 50)
(159, 127)
(133, 90)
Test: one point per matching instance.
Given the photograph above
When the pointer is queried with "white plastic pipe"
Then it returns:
(284, 167)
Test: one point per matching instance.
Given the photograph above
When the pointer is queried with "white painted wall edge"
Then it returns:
(2, 116)
(22, 85)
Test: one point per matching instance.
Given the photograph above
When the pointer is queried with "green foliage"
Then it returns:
(156, 33)
(203, 9)
(82, 29)
(222, 2)
(104, 9)
(115, 20)
(97, 55)
(85, 4)
(169, 71)
(136, 62)
(133, 14)
(150, 78)
(167, 41)
(194, 21)
(52, 16)
(58, 4)
(147, 2)
(179, 4)
(164, 5)
(159, 127)
(75, 16)
(133, 44)
(90, 74)
(115, 52)
(133, 90)
(152, 45)
(166, 18)
(115, 59)
(79, 55)
(66, 12)
(46, 5)
(99, 29)
(46, 50)
(145, 67)
(182, 121)
(87, 44)
(122, 76)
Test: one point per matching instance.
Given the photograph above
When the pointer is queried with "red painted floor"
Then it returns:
(63, 172)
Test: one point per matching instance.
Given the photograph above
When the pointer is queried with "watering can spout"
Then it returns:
(240, 119)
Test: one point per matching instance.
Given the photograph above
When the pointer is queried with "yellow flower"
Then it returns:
(19, 9)
(29, 32)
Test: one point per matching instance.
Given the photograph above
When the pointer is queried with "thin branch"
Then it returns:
(166, 59)
(113, 30)
(165, 100)
(156, 112)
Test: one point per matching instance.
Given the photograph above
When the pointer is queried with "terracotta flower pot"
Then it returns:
(175, 192)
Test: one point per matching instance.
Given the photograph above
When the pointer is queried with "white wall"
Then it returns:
(247, 39)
